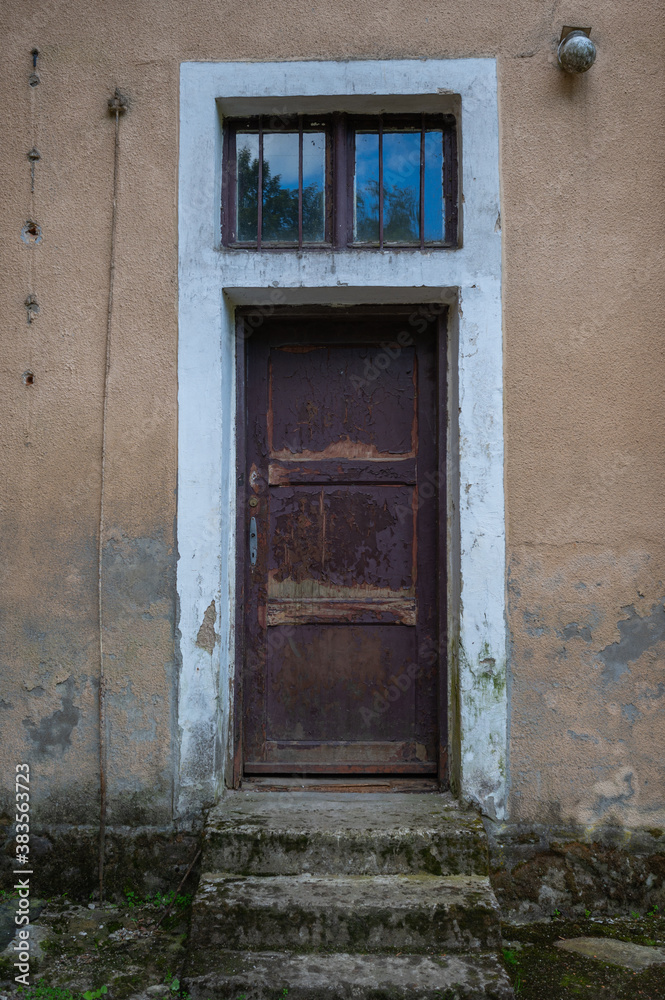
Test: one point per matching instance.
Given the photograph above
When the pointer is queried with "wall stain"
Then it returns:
(653, 693)
(575, 631)
(207, 637)
(55, 730)
(631, 712)
(582, 736)
(534, 624)
(637, 635)
(605, 802)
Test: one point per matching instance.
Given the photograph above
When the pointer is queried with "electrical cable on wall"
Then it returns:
(117, 107)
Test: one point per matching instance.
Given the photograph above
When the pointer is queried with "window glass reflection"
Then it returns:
(401, 187)
(434, 207)
(295, 180)
(247, 174)
(313, 187)
(280, 187)
(366, 199)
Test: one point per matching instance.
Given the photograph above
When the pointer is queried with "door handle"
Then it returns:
(253, 542)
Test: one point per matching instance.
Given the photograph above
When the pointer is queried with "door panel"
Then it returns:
(342, 553)
(349, 417)
(341, 662)
(329, 703)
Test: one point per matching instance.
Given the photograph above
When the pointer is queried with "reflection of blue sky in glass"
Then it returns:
(313, 184)
(366, 195)
(401, 180)
(280, 187)
(434, 228)
(280, 153)
(401, 187)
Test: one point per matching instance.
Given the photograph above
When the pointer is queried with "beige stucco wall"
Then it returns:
(583, 205)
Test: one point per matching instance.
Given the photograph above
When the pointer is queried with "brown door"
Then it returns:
(342, 660)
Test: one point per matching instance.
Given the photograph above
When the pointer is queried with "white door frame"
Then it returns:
(214, 280)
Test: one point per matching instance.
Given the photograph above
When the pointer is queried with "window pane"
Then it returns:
(434, 205)
(313, 187)
(280, 187)
(366, 201)
(401, 187)
(247, 173)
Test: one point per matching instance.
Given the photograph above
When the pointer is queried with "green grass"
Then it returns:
(541, 971)
(43, 992)
(159, 900)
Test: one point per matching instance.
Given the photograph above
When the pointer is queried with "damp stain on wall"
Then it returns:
(54, 731)
(638, 634)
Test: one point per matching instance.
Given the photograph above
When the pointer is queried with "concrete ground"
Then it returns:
(608, 958)
(121, 947)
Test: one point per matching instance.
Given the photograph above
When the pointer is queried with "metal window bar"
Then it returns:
(422, 183)
(229, 212)
(300, 181)
(342, 217)
(259, 185)
(380, 182)
(339, 195)
(450, 182)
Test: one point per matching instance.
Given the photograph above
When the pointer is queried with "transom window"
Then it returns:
(337, 181)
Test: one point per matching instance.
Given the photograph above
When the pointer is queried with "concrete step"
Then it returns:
(291, 833)
(381, 913)
(270, 975)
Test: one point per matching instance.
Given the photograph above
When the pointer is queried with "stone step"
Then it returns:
(291, 833)
(268, 975)
(351, 913)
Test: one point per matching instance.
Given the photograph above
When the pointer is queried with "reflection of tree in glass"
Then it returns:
(280, 205)
(401, 222)
(367, 212)
(401, 212)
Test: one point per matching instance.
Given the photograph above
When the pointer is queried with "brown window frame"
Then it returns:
(340, 129)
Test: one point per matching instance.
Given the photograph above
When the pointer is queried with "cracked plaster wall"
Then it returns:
(582, 214)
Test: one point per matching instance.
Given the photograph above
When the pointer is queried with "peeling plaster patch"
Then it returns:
(575, 631)
(631, 712)
(207, 637)
(5, 704)
(37, 691)
(637, 635)
(55, 730)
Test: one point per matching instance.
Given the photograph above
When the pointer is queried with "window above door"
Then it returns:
(340, 181)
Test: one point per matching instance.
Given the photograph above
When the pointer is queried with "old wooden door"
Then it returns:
(343, 652)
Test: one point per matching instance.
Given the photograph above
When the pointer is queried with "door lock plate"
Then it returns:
(253, 542)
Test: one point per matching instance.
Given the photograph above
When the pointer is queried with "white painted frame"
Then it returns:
(214, 280)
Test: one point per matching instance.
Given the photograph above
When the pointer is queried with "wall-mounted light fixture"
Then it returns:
(576, 52)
